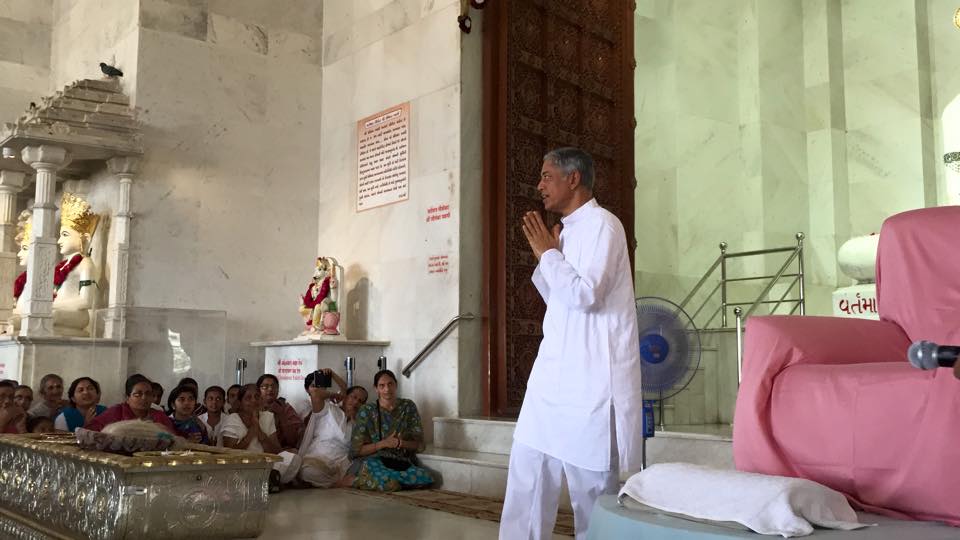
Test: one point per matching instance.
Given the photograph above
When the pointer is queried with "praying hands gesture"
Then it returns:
(392, 441)
(540, 238)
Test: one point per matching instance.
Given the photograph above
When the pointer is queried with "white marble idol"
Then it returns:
(320, 304)
(75, 277)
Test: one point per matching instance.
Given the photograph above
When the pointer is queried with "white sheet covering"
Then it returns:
(773, 505)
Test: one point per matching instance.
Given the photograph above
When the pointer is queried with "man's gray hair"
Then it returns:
(571, 159)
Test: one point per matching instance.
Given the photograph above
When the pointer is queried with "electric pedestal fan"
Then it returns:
(669, 355)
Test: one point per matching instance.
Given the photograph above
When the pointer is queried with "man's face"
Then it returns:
(23, 397)
(554, 187)
(53, 390)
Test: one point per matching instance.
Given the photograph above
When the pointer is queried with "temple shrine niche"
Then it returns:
(65, 181)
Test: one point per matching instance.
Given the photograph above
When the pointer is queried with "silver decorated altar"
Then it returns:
(50, 488)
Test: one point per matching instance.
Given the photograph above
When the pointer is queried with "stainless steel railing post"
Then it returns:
(800, 271)
(241, 368)
(738, 313)
(723, 284)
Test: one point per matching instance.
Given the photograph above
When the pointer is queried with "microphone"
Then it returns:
(929, 355)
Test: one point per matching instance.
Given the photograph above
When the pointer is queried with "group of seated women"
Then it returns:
(340, 441)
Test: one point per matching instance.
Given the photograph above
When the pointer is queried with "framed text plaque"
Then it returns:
(383, 157)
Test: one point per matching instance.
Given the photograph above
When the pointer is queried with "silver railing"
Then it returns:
(432, 344)
(241, 368)
(799, 302)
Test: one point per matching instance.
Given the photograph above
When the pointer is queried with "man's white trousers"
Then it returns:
(533, 494)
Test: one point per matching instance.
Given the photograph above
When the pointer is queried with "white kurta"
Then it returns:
(326, 446)
(589, 359)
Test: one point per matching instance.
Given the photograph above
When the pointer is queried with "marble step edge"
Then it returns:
(475, 473)
(496, 436)
(466, 457)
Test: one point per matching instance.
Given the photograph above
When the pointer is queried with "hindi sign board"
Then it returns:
(383, 158)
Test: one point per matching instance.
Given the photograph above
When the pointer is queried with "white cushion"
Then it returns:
(774, 505)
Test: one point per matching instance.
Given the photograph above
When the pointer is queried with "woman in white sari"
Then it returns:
(250, 428)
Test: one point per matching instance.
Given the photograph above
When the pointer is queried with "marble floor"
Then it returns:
(337, 514)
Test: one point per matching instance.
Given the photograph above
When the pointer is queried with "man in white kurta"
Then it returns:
(582, 412)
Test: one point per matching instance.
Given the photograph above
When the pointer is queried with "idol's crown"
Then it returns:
(24, 227)
(75, 214)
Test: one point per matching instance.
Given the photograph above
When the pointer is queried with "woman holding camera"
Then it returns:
(387, 435)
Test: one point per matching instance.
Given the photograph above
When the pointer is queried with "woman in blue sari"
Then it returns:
(387, 435)
(84, 394)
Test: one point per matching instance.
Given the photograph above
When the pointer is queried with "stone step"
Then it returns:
(704, 445)
(476, 473)
(485, 473)
(486, 435)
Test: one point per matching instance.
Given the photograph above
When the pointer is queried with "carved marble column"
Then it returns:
(11, 182)
(44, 252)
(123, 168)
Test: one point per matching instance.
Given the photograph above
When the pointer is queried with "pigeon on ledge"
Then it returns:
(110, 71)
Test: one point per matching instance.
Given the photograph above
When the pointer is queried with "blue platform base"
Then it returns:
(610, 521)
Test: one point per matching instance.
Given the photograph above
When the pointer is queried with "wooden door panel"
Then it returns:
(557, 73)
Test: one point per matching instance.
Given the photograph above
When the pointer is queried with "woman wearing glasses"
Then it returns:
(139, 392)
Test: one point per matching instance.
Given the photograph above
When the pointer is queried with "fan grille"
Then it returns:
(669, 347)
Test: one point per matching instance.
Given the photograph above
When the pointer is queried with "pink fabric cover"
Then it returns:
(834, 400)
(918, 273)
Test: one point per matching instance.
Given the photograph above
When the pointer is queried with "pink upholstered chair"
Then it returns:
(836, 401)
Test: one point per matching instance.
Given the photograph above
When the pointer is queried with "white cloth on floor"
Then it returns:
(774, 505)
(325, 446)
(533, 494)
(589, 359)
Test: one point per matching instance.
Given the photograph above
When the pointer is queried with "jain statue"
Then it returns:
(320, 305)
(75, 277)
(24, 230)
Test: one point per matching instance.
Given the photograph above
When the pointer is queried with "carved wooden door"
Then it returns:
(557, 73)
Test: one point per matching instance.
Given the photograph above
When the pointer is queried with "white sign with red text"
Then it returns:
(858, 301)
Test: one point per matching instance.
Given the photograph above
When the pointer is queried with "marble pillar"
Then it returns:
(44, 252)
(123, 168)
(11, 182)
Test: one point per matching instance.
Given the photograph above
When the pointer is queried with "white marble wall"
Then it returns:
(76, 51)
(944, 46)
(25, 27)
(376, 55)
(225, 204)
(758, 119)
(886, 87)
(720, 141)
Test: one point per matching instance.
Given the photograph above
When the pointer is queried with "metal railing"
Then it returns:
(795, 254)
(434, 342)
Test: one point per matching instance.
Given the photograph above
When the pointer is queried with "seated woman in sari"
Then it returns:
(84, 395)
(139, 392)
(386, 437)
(251, 428)
(183, 403)
(13, 419)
